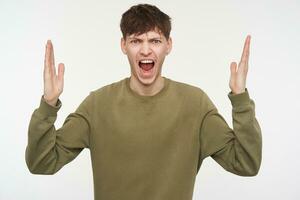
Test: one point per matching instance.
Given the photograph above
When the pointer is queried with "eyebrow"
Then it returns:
(155, 38)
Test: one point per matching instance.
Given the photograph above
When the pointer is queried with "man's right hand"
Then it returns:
(53, 84)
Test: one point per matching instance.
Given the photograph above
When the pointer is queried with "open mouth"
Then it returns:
(146, 65)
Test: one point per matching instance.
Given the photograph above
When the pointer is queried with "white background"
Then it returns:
(207, 36)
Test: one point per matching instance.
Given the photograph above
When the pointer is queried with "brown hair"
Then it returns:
(142, 18)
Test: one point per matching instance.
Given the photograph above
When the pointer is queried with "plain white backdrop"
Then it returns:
(207, 36)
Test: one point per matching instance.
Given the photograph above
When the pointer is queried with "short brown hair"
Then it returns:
(142, 18)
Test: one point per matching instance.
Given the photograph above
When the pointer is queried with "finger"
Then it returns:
(60, 77)
(246, 51)
(233, 72)
(61, 71)
(233, 67)
(52, 59)
(47, 67)
(243, 67)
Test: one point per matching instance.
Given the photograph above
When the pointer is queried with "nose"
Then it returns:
(145, 49)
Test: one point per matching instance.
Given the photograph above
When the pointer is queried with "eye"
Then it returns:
(134, 41)
(156, 41)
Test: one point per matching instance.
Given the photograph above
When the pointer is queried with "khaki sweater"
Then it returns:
(146, 147)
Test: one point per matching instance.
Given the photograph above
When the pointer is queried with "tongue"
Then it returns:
(146, 66)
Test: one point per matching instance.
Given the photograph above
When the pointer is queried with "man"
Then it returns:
(147, 134)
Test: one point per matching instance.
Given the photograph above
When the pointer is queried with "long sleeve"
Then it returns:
(238, 151)
(48, 149)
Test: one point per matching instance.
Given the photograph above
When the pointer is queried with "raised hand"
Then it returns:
(53, 84)
(238, 76)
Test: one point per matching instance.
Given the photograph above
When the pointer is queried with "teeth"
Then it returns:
(146, 61)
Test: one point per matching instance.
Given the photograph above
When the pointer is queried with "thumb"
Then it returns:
(233, 67)
(61, 72)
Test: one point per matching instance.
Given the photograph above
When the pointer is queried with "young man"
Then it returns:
(147, 134)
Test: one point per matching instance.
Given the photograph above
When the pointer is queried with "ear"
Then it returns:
(169, 45)
(123, 46)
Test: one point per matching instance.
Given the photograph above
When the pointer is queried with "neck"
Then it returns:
(146, 90)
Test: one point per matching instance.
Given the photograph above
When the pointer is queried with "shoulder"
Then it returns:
(108, 89)
(102, 95)
(188, 89)
(195, 93)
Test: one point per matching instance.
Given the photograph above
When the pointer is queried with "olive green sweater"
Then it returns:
(146, 147)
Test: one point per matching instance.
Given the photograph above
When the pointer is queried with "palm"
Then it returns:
(53, 84)
(238, 75)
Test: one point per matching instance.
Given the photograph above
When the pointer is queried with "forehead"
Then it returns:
(149, 34)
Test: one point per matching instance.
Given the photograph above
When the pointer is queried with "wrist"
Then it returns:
(51, 102)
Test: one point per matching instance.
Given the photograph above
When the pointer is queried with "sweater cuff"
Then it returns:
(48, 110)
(239, 99)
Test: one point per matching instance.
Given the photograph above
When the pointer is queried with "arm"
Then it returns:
(237, 150)
(48, 149)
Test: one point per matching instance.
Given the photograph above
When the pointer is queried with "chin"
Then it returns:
(147, 81)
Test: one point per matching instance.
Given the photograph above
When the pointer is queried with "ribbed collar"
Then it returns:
(147, 98)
